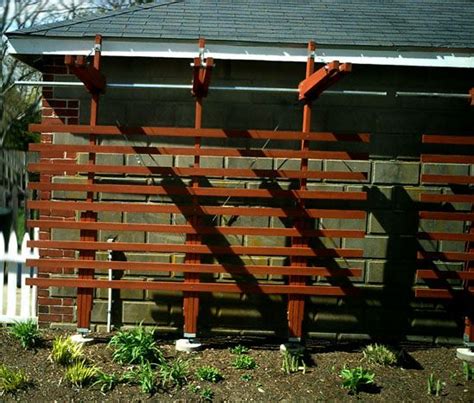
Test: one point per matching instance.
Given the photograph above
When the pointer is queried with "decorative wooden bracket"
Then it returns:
(316, 83)
(92, 78)
(202, 69)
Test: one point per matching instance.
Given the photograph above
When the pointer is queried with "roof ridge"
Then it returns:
(80, 20)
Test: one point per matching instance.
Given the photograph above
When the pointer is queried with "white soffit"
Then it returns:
(30, 45)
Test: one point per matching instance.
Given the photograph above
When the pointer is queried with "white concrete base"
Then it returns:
(292, 348)
(465, 354)
(187, 345)
(80, 339)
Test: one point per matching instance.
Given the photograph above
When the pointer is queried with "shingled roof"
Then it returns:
(392, 23)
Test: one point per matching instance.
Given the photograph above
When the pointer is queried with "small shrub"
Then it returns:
(293, 362)
(207, 394)
(135, 346)
(379, 354)
(65, 351)
(80, 374)
(144, 376)
(26, 333)
(246, 378)
(11, 380)
(244, 362)
(434, 386)
(467, 371)
(356, 378)
(209, 374)
(173, 373)
(107, 382)
(239, 350)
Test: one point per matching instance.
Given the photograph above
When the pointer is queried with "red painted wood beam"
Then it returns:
(92, 78)
(311, 87)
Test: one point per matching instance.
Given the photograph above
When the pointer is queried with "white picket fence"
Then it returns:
(17, 300)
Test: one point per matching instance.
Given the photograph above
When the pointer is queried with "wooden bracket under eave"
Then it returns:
(320, 80)
(92, 78)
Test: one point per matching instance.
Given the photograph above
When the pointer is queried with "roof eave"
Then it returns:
(23, 45)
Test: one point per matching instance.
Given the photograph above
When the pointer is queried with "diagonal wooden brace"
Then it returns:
(202, 77)
(92, 78)
(320, 80)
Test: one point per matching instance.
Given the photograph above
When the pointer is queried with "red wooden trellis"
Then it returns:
(448, 207)
(305, 260)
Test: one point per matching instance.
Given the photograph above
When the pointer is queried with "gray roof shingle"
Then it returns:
(412, 23)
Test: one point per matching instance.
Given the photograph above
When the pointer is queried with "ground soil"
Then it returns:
(407, 382)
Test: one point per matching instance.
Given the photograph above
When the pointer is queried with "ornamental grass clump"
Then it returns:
(26, 333)
(144, 376)
(293, 361)
(12, 380)
(65, 351)
(80, 374)
(380, 355)
(173, 373)
(135, 346)
(209, 374)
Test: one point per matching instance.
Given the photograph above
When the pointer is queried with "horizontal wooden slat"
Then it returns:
(434, 198)
(214, 152)
(446, 216)
(196, 287)
(191, 132)
(206, 172)
(448, 159)
(440, 275)
(446, 236)
(435, 293)
(453, 179)
(454, 256)
(200, 191)
(449, 140)
(203, 249)
(188, 229)
(196, 210)
(195, 268)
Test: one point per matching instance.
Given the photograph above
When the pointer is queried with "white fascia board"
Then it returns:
(30, 45)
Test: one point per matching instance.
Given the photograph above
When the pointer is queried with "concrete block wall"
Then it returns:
(387, 308)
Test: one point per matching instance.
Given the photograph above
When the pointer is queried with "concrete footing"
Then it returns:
(187, 345)
(81, 339)
(465, 354)
(292, 347)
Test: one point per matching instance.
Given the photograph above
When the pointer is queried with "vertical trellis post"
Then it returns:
(201, 79)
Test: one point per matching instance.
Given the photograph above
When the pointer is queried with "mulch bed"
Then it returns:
(267, 383)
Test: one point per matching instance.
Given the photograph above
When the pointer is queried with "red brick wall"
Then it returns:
(55, 110)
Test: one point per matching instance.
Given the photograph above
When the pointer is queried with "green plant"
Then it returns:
(244, 362)
(379, 354)
(65, 351)
(26, 333)
(246, 378)
(467, 371)
(239, 350)
(207, 394)
(356, 378)
(11, 380)
(144, 376)
(209, 374)
(80, 374)
(107, 382)
(293, 361)
(135, 346)
(434, 385)
(173, 373)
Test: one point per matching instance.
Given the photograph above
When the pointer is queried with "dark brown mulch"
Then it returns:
(267, 383)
